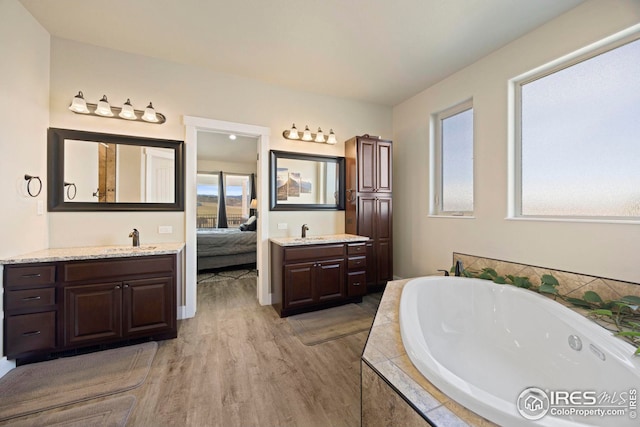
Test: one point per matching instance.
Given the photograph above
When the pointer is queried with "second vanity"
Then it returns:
(317, 272)
(58, 300)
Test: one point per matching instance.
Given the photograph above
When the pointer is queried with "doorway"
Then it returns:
(194, 126)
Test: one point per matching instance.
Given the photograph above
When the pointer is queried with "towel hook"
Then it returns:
(30, 178)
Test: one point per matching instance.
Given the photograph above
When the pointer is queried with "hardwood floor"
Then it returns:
(238, 364)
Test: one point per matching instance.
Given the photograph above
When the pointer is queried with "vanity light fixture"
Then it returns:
(308, 136)
(104, 109)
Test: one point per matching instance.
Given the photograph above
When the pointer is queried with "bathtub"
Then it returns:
(514, 356)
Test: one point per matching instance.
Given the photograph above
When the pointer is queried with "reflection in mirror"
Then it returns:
(306, 182)
(117, 173)
(91, 171)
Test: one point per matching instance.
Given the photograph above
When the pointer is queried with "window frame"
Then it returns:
(436, 162)
(514, 205)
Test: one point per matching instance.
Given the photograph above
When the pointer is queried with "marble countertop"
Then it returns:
(93, 252)
(385, 353)
(318, 240)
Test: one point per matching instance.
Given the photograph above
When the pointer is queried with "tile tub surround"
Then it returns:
(93, 252)
(571, 284)
(318, 240)
(394, 392)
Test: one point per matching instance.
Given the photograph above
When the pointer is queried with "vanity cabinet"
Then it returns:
(369, 204)
(70, 304)
(314, 276)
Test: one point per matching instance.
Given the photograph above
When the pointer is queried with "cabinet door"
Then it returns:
(329, 280)
(298, 284)
(92, 313)
(384, 162)
(148, 306)
(366, 216)
(366, 165)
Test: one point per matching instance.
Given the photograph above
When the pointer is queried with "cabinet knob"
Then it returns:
(117, 286)
(126, 286)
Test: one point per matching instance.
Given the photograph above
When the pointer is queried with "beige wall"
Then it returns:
(178, 90)
(24, 117)
(423, 244)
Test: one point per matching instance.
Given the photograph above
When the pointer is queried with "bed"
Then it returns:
(225, 247)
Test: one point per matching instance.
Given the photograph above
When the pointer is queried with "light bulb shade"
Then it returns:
(293, 132)
(319, 136)
(306, 135)
(150, 114)
(254, 204)
(127, 111)
(104, 109)
(79, 105)
(332, 138)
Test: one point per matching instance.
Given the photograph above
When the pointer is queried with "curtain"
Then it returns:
(222, 206)
(253, 193)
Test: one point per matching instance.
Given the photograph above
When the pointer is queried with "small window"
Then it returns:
(577, 139)
(452, 149)
(207, 200)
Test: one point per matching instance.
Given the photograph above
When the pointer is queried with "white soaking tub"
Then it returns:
(516, 357)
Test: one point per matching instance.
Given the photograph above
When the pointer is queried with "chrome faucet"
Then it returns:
(304, 230)
(136, 238)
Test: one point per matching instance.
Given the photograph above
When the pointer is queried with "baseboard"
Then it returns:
(6, 366)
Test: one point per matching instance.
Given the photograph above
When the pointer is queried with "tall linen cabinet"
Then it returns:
(369, 202)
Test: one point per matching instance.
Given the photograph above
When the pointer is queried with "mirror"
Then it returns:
(306, 182)
(90, 171)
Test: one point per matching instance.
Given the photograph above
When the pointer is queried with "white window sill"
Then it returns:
(579, 220)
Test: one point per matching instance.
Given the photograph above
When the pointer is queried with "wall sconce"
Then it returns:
(104, 109)
(308, 136)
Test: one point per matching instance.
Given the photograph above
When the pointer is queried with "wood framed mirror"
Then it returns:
(300, 182)
(90, 171)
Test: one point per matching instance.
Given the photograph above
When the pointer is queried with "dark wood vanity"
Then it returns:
(311, 276)
(54, 307)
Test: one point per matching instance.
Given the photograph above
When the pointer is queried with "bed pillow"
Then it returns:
(250, 225)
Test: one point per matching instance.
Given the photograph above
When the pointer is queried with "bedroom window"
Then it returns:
(576, 141)
(452, 161)
(237, 198)
(207, 200)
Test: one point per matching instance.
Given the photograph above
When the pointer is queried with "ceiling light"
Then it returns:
(104, 109)
(232, 137)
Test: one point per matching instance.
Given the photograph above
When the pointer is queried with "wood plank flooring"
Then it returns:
(238, 364)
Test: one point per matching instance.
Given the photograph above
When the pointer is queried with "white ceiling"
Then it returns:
(218, 147)
(379, 51)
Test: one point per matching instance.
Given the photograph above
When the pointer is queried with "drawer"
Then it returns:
(30, 275)
(313, 252)
(114, 268)
(31, 332)
(32, 298)
(356, 262)
(356, 248)
(356, 284)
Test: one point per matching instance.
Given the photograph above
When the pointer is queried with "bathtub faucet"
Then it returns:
(459, 268)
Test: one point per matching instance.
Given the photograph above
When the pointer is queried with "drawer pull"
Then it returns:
(32, 275)
(33, 298)
(30, 334)
(356, 284)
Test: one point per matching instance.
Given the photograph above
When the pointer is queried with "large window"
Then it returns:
(578, 137)
(237, 192)
(452, 173)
